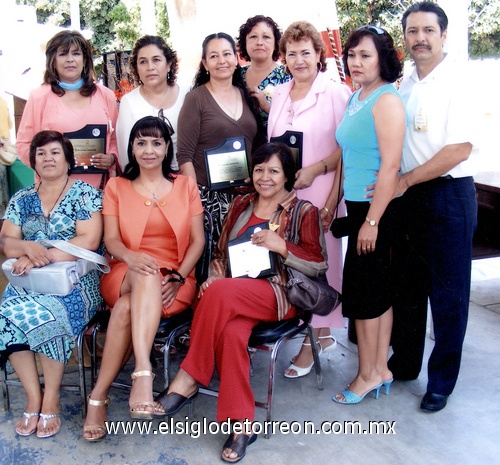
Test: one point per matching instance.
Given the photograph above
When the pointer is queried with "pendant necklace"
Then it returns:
(147, 98)
(221, 103)
(155, 197)
(57, 200)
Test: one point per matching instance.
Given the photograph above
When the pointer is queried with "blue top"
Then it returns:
(357, 137)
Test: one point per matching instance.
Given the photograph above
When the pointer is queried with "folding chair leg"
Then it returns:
(5, 388)
(317, 363)
(81, 370)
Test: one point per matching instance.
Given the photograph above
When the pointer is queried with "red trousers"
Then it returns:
(222, 325)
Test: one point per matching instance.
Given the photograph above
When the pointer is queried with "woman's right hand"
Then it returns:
(207, 283)
(141, 263)
(38, 254)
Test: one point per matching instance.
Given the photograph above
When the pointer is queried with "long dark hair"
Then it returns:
(149, 126)
(202, 77)
(45, 137)
(64, 40)
(170, 56)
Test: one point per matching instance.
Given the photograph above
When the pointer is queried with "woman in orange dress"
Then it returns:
(153, 228)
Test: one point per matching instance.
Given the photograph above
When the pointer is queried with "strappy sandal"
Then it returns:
(101, 429)
(237, 444)
(45, 417)
(142, 414)
(27, 417)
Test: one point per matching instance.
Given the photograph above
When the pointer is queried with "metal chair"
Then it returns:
(81, 387)
(270, 336)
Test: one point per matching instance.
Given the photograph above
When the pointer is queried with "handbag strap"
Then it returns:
(340, 184)
(293, 231)
(100, 261)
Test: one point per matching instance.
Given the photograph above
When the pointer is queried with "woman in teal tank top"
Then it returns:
(371, 137)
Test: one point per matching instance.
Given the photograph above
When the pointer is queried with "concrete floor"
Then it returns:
(467, 431)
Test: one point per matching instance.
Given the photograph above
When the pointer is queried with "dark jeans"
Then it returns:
(433, 258)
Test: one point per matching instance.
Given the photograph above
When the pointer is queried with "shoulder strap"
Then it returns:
(101, 262)
(296, 219)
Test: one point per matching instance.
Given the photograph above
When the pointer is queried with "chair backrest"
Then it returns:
(201, 271)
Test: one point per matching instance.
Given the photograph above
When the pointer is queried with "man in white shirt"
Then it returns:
(439, 204)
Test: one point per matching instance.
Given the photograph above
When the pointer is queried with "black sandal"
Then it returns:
(237, 444)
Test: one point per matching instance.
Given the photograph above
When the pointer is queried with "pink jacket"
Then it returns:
(46, 110)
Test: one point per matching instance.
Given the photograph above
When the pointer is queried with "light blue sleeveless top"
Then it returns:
(358, 139)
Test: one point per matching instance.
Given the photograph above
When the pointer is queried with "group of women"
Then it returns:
(151, 217)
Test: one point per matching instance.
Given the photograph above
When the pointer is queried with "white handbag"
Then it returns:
(59, 278)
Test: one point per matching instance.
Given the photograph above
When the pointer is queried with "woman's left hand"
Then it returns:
(169, 289)
(102, 161)
(367, 238)
(271, 241)
(207, 283)
(326, 219)
(304, 177)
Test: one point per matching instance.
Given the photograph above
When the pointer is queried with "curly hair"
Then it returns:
(170, 56)
(302, 30)
(63, 41)
(246, 28)
(391, 67)
(46, 137)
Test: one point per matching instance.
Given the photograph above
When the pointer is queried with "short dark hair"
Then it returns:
(248, 26)
(391, 66)
(149, 126)
(64, 40)
(46, 137)
(170, 56)
(283, 152)
(426, 7)
(302, 30)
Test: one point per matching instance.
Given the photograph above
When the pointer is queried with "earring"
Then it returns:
(319, 66)
(169, 76)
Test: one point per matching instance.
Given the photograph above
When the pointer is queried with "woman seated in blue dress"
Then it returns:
(56, 207)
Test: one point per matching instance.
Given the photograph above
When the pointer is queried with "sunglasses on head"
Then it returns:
(167, 122)
(375, 29)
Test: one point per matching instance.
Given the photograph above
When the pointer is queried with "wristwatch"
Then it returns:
(371, 222)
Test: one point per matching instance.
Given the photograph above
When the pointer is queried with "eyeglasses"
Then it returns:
(375, 29)
(167, 122)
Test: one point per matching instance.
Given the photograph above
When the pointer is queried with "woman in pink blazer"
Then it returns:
(313, 104)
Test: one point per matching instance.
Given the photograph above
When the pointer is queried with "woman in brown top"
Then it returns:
(218, 107)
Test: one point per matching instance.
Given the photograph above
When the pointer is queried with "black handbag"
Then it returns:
(340, 227)
(310, 294)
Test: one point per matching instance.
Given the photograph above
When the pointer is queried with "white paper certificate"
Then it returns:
(248, 259)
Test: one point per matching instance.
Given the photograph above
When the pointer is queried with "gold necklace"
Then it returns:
(155, 197)
(147, 98)
(221, 103)
(58, 197)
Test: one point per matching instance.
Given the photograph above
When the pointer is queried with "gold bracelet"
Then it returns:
(328, 211)
(325, 166)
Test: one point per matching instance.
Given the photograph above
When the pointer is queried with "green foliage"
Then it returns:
(116, 24)
(484, 21)
(55, 12)
(384, 13)
(162, 25)
(484, 28)
(126, 26)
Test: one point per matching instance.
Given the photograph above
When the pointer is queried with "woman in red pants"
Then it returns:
(231, 307)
